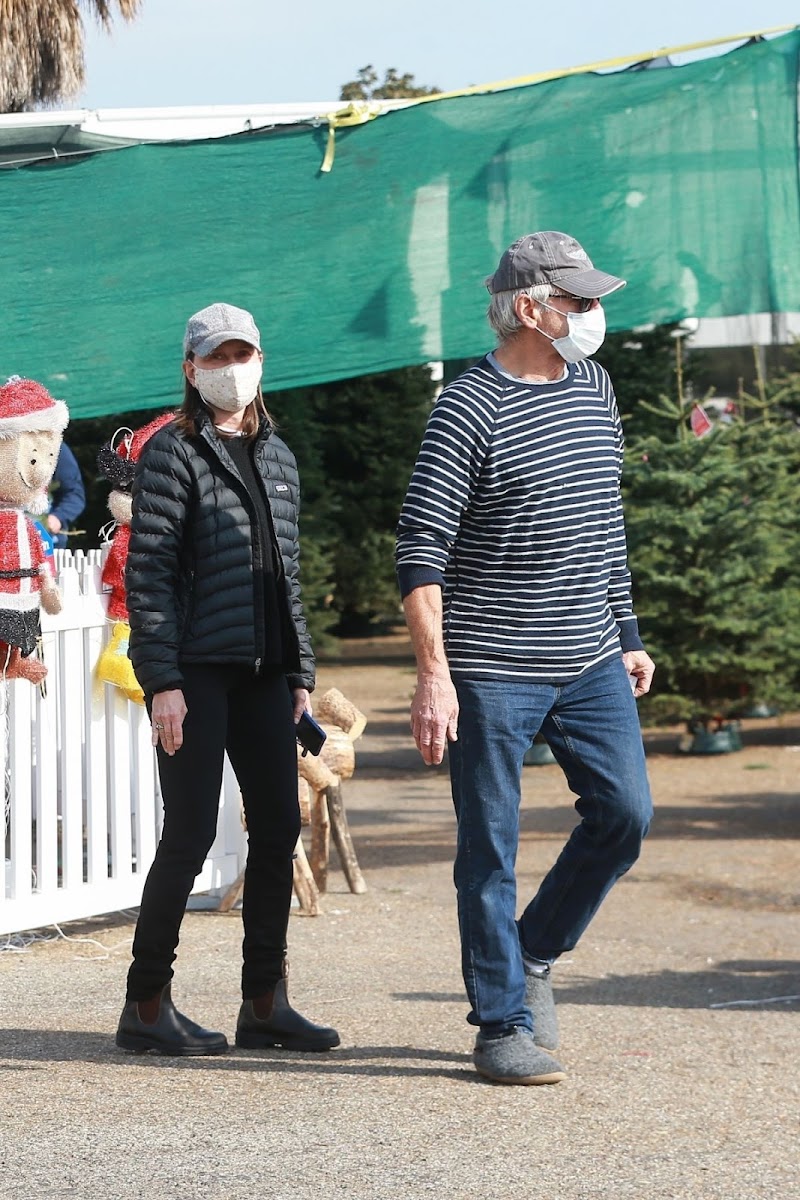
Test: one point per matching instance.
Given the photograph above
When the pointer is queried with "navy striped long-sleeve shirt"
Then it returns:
(514, 508)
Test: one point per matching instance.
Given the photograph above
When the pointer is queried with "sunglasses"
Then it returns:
(583, 303)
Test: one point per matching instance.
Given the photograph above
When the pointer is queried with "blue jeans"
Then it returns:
(593, 729)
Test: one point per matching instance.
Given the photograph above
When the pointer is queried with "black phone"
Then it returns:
(309, 734)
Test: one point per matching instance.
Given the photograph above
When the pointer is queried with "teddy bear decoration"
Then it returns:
(116, 461)
(32, 425)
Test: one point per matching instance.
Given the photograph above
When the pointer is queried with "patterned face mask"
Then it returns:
(230, 388)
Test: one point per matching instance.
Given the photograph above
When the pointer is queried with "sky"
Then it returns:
(203, 52)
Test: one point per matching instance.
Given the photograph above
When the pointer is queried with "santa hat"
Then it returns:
(28, 407)
(117, 462)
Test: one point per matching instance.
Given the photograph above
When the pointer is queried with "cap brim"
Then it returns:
(216, 339)
(589, 285)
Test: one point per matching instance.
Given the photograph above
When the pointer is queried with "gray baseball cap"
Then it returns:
(216, 324)
(551, 258)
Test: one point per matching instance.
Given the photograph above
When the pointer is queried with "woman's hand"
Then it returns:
(166, 718)
(301, 700)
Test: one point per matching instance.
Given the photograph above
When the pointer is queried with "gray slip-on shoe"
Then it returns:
(542, 1005)
(515, 1058)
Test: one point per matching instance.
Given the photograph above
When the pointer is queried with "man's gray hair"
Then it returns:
(501, 315)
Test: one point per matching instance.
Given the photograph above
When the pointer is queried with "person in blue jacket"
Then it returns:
(68, 499)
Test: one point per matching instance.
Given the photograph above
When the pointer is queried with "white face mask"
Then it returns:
(230, 388)
(586, 335)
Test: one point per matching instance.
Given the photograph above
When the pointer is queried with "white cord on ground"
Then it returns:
(752, 1003)
(88, 941)
(19, 943)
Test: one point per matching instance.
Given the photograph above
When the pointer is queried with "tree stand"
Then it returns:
(711, 737)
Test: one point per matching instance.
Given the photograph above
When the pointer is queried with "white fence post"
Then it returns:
(82, 808)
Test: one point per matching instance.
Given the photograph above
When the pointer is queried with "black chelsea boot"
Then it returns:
(170, 1033)
(280, 1026)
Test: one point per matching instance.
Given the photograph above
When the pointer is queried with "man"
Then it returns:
(512, 563)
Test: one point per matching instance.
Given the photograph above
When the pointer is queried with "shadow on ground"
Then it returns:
(769, 986)
(399, 837)
(773, 986)
(36, 1046)
(766, 986)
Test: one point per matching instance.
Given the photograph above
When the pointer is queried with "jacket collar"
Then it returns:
(207, 429)
(208, 434)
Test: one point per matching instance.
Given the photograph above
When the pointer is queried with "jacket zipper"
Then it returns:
(257, 560)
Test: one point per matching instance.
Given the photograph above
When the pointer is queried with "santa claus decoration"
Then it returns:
(117, 462)
(32, 425)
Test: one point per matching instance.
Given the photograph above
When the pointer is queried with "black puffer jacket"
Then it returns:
(189, 573)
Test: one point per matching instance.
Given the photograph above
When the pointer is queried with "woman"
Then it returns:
(220, 648)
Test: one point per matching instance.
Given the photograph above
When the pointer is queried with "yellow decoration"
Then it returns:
(114, 666)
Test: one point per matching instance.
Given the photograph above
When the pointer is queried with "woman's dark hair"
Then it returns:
(190, 412)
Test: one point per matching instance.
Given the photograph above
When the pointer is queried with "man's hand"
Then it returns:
(434, 709)
(434, 715)
(53, 523)
(640, 666)
(166, 719)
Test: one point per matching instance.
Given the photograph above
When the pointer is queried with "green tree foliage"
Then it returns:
(393, 87)
(642, 365)
(355, 442)
(781, 392)
(715, 553)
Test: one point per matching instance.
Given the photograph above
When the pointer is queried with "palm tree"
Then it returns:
(41, 48)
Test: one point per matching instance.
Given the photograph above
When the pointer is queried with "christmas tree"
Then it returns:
(714, 549)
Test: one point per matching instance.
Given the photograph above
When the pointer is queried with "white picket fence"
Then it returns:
(82, 802)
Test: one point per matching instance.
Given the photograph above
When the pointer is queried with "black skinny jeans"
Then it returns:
(251, 717)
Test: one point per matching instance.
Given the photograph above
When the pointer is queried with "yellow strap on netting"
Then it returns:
(606, 65)
(357, 113)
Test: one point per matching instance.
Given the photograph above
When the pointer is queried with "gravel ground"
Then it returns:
(682, 1049)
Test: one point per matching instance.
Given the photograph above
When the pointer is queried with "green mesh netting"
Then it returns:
(684, 180)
